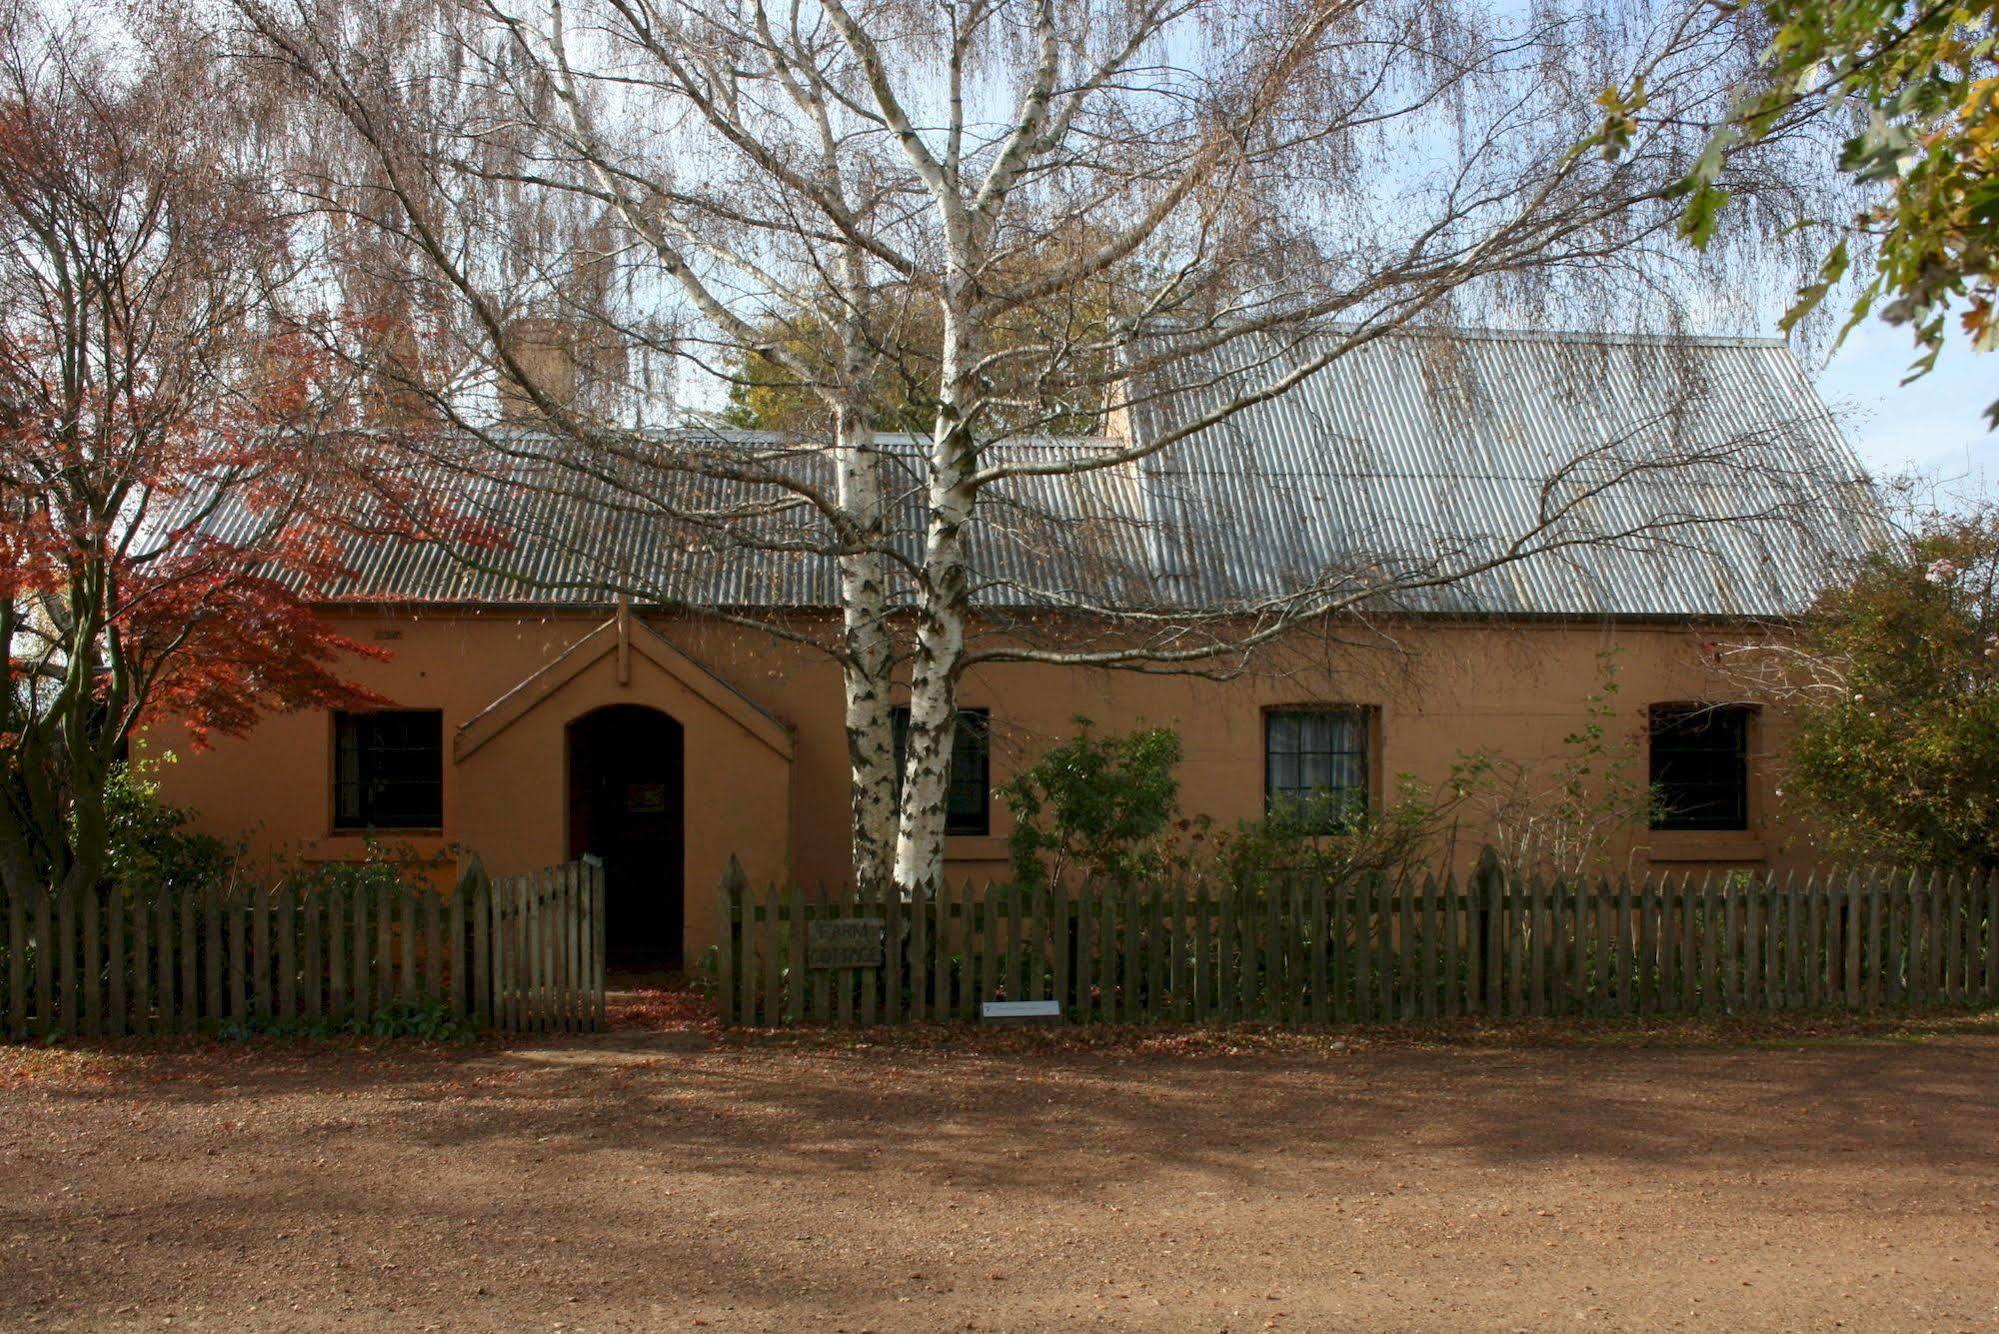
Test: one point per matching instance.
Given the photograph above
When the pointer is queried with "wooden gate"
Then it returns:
(548, 949)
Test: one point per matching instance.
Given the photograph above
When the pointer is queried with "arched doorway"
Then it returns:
(626, 805)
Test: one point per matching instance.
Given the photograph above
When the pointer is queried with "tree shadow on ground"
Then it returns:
(841, 1102)
(947, 1113)
(628, 1138)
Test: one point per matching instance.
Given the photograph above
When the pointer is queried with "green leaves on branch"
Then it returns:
(1928, 149)
(1620, 121)
(1705, 199)
(1830, 272)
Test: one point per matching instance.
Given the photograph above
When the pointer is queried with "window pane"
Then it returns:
(968, 790)
(1315, 761)
(389, 770)
(968, 811)
(1700, 766)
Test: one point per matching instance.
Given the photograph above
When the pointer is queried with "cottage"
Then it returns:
(598, 682)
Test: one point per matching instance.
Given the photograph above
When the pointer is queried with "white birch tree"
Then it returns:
(1004, 214)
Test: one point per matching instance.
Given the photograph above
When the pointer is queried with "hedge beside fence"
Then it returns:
(523, 953)
(1373, 951)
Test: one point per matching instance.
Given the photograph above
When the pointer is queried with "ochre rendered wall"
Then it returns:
(1442, 692)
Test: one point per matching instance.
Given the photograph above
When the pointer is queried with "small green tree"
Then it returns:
(149, 844)
(1895, 686)
(1102, 805)
(766, 396)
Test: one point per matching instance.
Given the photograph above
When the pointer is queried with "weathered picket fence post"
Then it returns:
(471, 978)
(1487, 890)
(734, 887)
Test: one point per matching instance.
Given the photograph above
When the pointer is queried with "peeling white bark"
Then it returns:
(867, 655)
(944, 603)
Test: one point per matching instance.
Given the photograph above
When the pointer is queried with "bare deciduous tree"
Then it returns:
(1001, 215)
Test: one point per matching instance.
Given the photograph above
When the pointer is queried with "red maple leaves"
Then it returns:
(189, 442)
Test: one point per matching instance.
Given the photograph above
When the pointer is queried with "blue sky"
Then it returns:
(1934, 427)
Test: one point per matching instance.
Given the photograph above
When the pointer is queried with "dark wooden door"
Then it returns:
(627, 806)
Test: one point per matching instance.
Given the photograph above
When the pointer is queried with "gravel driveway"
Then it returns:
(648, 1180)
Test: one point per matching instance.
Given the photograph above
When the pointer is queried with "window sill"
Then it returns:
(1698, 845)
(389, 831)
(974, 848)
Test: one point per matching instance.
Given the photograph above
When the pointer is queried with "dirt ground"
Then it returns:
(1506, 1179)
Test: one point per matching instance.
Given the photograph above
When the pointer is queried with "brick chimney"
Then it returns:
(576, 363)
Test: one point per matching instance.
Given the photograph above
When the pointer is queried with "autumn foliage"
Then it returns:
(1897, 754)
(179, 441)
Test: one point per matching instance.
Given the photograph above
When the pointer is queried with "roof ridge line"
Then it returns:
(1497, 333)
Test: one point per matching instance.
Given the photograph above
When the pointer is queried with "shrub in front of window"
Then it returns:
(381, 868)
(1341, 840)
(1564, 815)
(1315, 773)
(1099, 806)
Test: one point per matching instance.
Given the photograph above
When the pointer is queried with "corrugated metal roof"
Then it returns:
(1651, 477)
(1660, 476)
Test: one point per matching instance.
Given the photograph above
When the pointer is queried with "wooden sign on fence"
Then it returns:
(844, 942)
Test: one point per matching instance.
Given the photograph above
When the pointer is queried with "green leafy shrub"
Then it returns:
(1304, 838)
(1101, 806)
(427, 1020)
(1895, 687)
(382, 867)
(387, 868)
(150, 845)
(422, 1020)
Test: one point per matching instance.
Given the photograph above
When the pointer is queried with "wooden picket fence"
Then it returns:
(520, 953)
(1371, 950)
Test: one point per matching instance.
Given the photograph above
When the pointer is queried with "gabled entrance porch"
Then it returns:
(624, 748)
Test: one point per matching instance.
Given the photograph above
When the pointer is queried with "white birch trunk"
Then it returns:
(867, 654)
(943, 609)
(933, 687)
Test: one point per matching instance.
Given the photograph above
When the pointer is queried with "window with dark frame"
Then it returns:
(1700, 766)
(968, 802)
(388, 769)
(1315, 765)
